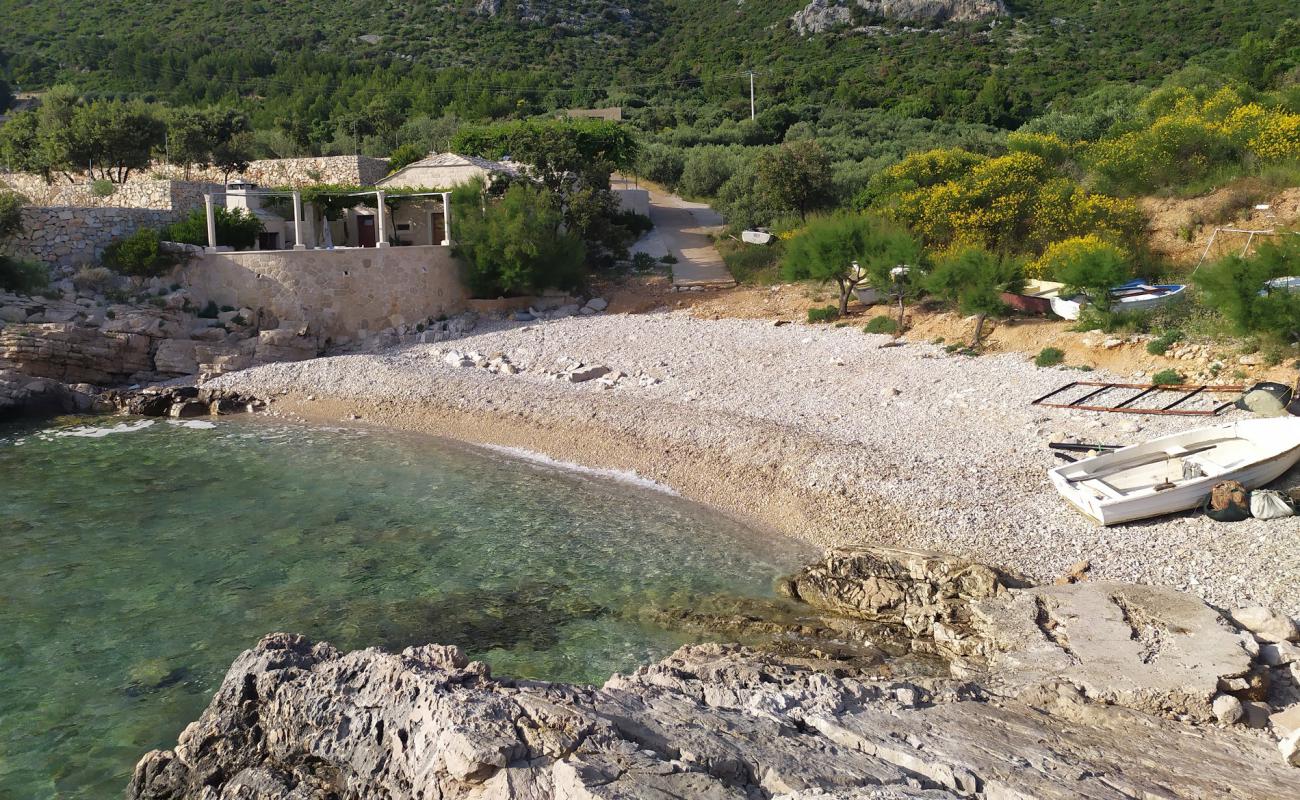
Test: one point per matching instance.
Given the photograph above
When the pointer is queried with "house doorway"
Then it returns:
(366, 230)
(268, 240)
(437, 228)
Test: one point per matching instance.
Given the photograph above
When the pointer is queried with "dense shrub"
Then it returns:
(1049, 357)
(1238, 288)
(403, 155)
(1059, 256)
(706, 169)
(881, 325)
(93, 279)
(516, 245)
(139, 255)
(17, 275)
(11, 216)
(823, 314)
(1167, 377)
(1015, 203)
(661, 163)
(1090, 268)
(848, 249)
(236, 228)
(1161, 344)
(102, 188)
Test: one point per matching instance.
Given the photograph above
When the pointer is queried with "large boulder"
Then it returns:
(927, 593)
(294, 720)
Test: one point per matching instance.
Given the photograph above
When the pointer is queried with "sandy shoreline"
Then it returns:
(815, 432)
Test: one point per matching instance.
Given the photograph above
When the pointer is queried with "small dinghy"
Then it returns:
(1127, 297)
(1035, 298)
(1175, 473)
(756, 237)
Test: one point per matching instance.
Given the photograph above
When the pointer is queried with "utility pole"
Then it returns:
(751, 95)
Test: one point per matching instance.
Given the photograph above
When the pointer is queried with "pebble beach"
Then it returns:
(814, 431)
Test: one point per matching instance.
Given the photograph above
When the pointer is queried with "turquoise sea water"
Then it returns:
(135, 566)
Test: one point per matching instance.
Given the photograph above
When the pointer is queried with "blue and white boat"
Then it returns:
(1135, 295)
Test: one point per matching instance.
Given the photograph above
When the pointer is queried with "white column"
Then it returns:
(212, 223)
(297, 222)
(446, 219)
(381, 235)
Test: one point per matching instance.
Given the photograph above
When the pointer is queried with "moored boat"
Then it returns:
(1175, 473)
(1035, 298)
(1127, 297)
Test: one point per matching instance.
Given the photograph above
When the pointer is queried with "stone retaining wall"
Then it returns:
(161, 195)
(70, 236)
(297, 172)
(339, 293)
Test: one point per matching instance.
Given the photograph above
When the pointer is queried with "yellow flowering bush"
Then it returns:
(1191, 135)
(1014, 203)
(1061, 254)
(1047, 146)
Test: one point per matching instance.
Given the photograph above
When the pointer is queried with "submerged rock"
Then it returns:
(294, 719)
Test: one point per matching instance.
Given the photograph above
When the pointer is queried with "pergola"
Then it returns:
(380, 208)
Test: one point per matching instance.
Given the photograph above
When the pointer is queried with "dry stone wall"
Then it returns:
(297, 172)
(161, 195)
(336, 293)
(72, 236)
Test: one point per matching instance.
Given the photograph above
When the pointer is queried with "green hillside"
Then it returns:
(317, 61)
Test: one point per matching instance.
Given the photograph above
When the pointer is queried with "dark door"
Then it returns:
(365, 230)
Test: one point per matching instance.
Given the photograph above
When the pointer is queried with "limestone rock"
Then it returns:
(176, 357)
(1286, 722)
(1267, 625)
(913, 588)
(820, 16)
(1227, 709)
(24, 394)
(74, 353)
(302, 721)
(1153, 649)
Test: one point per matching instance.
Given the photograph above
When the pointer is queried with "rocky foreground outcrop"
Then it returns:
(295, 719)
(1023, 716)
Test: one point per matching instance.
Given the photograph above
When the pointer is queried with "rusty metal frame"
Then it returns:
(1127, 406)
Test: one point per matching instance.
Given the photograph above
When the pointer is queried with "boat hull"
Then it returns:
(1120, 487)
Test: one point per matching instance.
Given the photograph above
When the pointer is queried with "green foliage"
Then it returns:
(1092, 271)
(705, 170)
(403, 155)
(215, 136)
(11, 213)
(1167, 377)
(1161, 344)
(643, 262)
(823, 314)
(515, 245)
(796, 177)
(1238, 288)
(881, 325)
(974, 279)
(138, 255)
(236, 228)
(551, 146)
(752, 265)
(1049, 357)
(93, 279)
(17, 275)
(848, 249)
(102, 188)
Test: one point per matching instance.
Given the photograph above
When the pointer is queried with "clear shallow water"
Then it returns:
(135, 566)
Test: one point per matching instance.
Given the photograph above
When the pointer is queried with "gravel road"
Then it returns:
(816, 431)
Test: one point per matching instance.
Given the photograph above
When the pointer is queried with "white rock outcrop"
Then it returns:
(820, 16)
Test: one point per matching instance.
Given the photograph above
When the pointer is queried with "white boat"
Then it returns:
(1176, 473)
(1127, 297)
(869, 295)
(1290, 284)
(756, 237)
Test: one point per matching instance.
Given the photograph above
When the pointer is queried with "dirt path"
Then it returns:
(685, 230)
